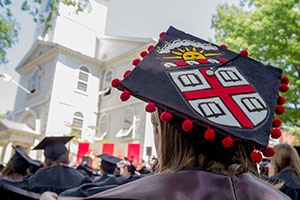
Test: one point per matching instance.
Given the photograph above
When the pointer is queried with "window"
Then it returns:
(127, 127)
(34, 81)
(83, 79)
(107, 82)
(103, 127)
(77, 124)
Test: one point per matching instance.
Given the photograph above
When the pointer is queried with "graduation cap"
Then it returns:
(53, 146)
(228, 94)
(21, 154)
(108, 163)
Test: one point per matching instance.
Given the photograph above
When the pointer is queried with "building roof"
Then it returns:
(17, 126)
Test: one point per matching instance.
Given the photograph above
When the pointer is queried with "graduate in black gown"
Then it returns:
(56, 176)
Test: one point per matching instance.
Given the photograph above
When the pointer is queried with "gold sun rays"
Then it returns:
(190, 54)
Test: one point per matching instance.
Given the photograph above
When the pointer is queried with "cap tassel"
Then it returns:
(166, 116)
(150, 107)
(276, 122)
(115, 83)
(209, 134)
(275, 133)
(125, 95)
(187, 125)
(256, 156)
(270, 152)
(227, 142)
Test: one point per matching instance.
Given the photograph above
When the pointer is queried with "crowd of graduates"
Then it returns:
(57, 176)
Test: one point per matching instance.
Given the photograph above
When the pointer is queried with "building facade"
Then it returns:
(68, 72)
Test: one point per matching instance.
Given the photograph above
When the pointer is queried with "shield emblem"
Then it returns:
(224, 97)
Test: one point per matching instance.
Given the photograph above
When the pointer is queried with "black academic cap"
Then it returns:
(21, 151)
(228, 95)
(108, 162)
(54, 146)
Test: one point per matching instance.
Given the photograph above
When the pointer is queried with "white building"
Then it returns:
(68, 71)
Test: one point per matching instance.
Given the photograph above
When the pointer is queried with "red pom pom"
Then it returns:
(162, 34)
(275, 133)
(209, 134)
(115, 83)
(281, 100)
(136, 61)
(279, 109)
(150, 48)
(125, 95)
(224, 46)
(166, 116)
(285, 80)
(244, 53)
(227, 142)
(283, 87)
(143, 54)
(256, 156)
(126, 73)
(270, 152)
(276, 122)
(150, 107)
(187, 125)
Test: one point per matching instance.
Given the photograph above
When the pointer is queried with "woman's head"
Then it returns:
(286, 156)
(179, 150)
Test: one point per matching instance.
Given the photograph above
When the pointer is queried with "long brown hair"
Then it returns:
(286, 156)
(177, 151)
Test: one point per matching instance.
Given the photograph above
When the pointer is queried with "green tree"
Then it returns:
(9, 27)
(270, 31)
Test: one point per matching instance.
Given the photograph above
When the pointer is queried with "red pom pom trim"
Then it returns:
(244, 53)
(270, 152)
(125, 95)
(143, 54)
(279, 110)
(126, 73)
(150, 107)
(162, 34)
(285, 80)
(115, 83)
(276, 122)
(150, 48)
(135, 62)
(281, 100)
(224, 46)
(256, 156)
(275, 133)
(187, 125)
(166, 116)
(283, 87)
(209, 135)
(227, 142)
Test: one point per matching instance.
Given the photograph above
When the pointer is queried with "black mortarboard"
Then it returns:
(108, 162)
(227, 94)
(21, 152)
(53, 146)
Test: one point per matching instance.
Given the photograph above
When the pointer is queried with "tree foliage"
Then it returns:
(9, 27)
(270, 31)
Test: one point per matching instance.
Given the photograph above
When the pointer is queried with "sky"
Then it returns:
(133, 18)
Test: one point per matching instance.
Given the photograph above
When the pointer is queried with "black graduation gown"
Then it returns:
(89, 189)
(57, 178)
(291, 181)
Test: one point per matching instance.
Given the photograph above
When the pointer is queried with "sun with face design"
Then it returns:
(187, 54)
